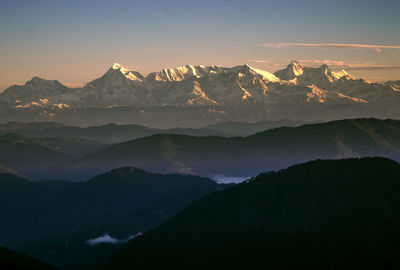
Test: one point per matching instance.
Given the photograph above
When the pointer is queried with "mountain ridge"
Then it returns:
(115, 133)
(206, 154)
(11, 260)
(272, 149)
(208, 93)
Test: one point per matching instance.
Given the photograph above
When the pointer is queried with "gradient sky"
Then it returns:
(77, 41)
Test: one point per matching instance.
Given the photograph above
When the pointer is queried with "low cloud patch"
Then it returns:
(107, 239)
(223, 179)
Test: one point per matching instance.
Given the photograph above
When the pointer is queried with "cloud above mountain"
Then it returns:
(335, 64)
(350, 66)
(377, 48)
(258, 61)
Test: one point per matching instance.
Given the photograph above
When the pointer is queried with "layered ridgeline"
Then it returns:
(342, 214)
(113, 133)
(246, 156)
(43, 158)
(212, 156)
(6, 170)
(198, 95)
(10, 260)
(76, 226)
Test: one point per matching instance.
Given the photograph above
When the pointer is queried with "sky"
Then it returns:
(77, 41)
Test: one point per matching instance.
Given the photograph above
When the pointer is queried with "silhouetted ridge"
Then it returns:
(12, 136)
(122, 174)
(324, 214)
(45, 215)
(10, 260)
(9, 180)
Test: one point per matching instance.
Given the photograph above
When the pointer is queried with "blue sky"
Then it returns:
(77, 41)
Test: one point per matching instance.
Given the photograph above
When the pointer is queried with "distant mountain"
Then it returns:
(194, 96)
(53, 220)
(395, 85)
(57, 146)
(113, 133)
(342, 214)
(37, 157)
(322, 75)
(110, 133)
(212, 156)
(17, 148)
(244, 156)
(36, 90)
(246, 129)
(10, 260)
(7, 170)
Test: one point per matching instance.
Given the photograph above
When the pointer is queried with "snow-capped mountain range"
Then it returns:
(293, 90)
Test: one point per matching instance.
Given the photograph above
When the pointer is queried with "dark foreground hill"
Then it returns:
(10, 260)
(53, 220)
(342, 214)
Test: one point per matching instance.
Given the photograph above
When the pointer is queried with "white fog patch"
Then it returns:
(223, 179)
(107, 239)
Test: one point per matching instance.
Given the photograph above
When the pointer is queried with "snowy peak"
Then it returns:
(332, 76)
(243, 71)
(182, 73)
(394, 85)
(319, 75)
(325, 72)
(293, 70)
(342, 74)
(266, 75)
(34, 91)
(129, 74)
(297, 73)
(213, 86)
(117, 66)
(296, 68)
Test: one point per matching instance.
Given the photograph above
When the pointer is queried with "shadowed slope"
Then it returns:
(52, 220)
(10, 260)
(342, 214)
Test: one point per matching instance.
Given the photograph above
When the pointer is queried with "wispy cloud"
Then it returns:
(377, 48)
(334, 64)
(258, 61)
(369, 67)
(349, 66)
(320, 62)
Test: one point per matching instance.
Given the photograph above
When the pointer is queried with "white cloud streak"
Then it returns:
(336, 64)
(258, 61)
(350, 66)
(369, 67)
(377, 48)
